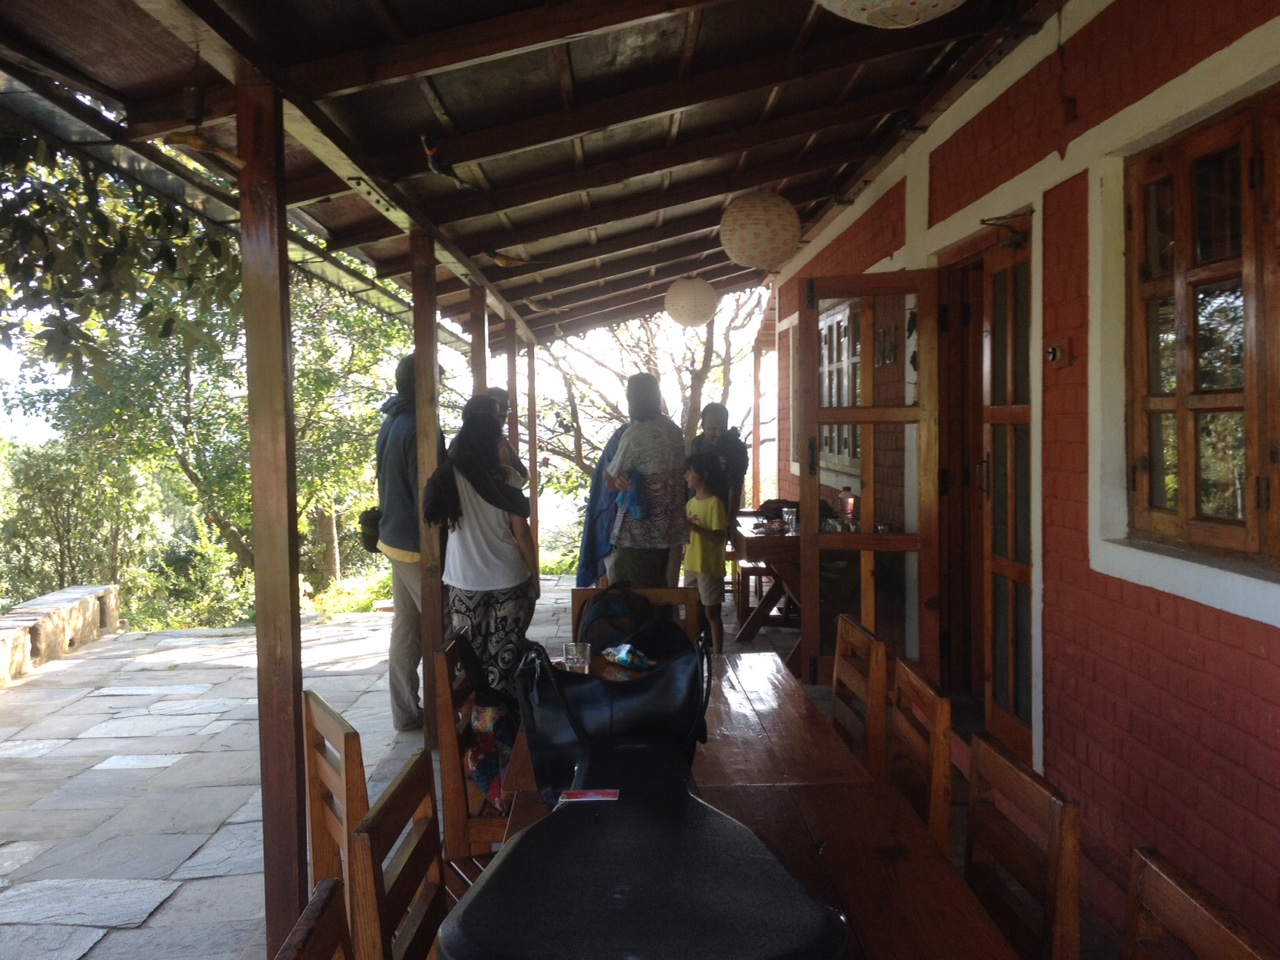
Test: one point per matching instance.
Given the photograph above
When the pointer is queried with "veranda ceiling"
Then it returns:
(595, 142)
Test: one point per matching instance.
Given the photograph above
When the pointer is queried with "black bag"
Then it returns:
(619, 615)
(563, 713)
(369, 521)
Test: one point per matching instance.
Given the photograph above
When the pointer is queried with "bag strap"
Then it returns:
(542, 661)
(705, 679)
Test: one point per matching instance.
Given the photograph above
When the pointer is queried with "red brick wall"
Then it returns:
(1161, 715)
(1130, 49)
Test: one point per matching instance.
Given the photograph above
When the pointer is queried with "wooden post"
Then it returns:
(532, 432)
(513, 414)
(427, 411)
(273, 469)
(756, 358)
(479, 343)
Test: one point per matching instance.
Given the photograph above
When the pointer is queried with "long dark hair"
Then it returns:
(474, 455)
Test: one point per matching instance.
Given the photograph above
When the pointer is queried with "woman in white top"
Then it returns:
(489, 564)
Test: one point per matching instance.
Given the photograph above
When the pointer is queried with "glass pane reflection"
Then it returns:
(1220, 478)
(1220, 336)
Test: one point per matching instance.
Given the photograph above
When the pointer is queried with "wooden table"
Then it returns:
(774, 762)
(780, 552)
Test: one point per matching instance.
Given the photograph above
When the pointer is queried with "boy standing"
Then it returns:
(708, 524)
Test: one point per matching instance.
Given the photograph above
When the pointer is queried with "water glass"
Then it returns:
(577, 657)
(789, 517)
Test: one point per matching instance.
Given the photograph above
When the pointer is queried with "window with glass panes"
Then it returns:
(1196, 360)
(840, 354)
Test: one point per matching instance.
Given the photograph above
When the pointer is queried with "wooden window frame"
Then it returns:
(847, 365)
(1184, 526)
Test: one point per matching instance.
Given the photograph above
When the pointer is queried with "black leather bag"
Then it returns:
(369, 522)
(563, 713)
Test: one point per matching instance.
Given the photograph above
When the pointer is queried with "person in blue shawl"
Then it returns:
(602, 511)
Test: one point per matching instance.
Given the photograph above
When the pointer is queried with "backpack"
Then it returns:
(619, 615)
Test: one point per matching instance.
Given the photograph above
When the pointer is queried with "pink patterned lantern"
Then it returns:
(760, 230)
(691, 301)
(890, 13)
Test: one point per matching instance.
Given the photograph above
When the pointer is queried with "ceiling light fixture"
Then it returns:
(890, 14)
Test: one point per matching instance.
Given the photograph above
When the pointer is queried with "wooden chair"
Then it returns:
(920, 750)
(397, 876)
(686, 609)
(321, 932)
(337, 795)
(1023, 830)
(471, 825)
(1164, 903)
(859, 693)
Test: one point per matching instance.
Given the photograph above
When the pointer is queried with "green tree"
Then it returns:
(74, 515)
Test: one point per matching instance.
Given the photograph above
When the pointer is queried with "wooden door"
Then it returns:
(1005, 480)
(866, 416)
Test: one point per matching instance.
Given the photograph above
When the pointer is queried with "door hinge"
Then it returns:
(811, 294)
(944, 482)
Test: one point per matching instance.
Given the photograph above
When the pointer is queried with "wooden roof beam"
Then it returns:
(661, 99)
(703, 188)
(516, 291)
(667, 158)
(534, 28)
(641, 280)
(584, 254)
(590, 318)
(221, 42)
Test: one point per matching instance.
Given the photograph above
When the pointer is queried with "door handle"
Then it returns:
(983, 471)
(813, 456)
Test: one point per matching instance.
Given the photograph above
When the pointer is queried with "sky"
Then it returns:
(13, 424)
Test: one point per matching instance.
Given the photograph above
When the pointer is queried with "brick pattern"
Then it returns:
(1161, 715)
(1128, 50)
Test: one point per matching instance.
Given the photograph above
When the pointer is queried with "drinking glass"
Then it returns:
(577, 657)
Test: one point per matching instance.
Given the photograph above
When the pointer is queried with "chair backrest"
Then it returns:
(396, 873)
(337, 795)
(686, 609)
(859, 693)
(920, 750)
(321, 932)
(1023, 830)
(468, 831)
(1164, 902)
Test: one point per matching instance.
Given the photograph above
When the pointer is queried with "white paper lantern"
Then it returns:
(691, 302)
(760, 230)
(890, 13)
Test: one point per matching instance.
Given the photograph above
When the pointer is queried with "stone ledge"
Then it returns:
(47, 627)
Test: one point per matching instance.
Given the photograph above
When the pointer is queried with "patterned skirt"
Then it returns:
(496, 621)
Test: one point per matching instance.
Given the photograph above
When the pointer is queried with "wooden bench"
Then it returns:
(1022, 847)
(337, 795)
(321, 932)
(920, 750)
(396, 871)
(859, 693)
(1164, 902)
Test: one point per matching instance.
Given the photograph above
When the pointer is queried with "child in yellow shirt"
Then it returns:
(704, 561)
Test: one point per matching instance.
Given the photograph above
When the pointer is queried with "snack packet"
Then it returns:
(626, 655)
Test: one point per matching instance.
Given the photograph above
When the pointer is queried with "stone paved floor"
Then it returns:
(130, 815)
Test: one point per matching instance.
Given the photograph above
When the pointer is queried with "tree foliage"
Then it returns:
(74, 515)
(582, 384)
(80, 248)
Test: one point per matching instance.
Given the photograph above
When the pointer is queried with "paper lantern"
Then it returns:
(890, 13)
(760, 230)
(691, 302)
